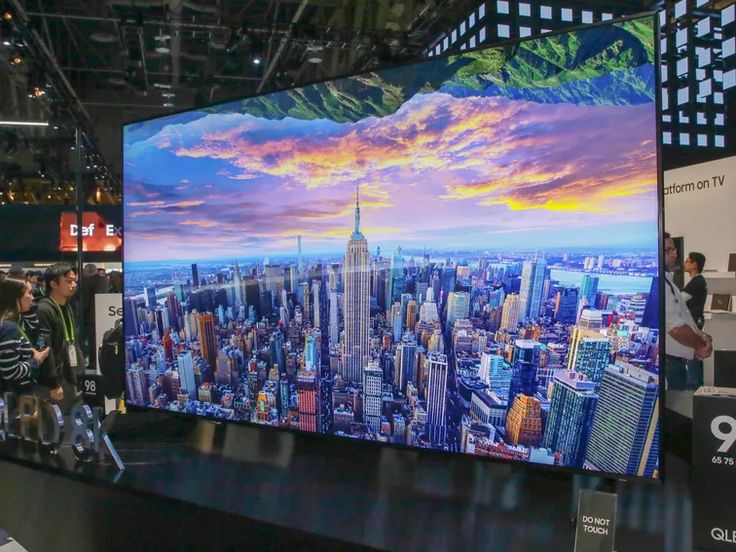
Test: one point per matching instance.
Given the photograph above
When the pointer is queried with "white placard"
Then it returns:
(108, 310)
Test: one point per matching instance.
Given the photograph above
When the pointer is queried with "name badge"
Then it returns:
(72, 352)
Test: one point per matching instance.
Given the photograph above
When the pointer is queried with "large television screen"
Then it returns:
(460, 254)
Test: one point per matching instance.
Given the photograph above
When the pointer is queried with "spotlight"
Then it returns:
(315, 54)
(7, 16)
(16, 60)
(38, 92)
(256, 60)
(7, 42)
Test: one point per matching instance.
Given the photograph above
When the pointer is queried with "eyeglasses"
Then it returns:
(668, 249)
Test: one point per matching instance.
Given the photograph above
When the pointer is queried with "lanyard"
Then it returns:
(68, 328)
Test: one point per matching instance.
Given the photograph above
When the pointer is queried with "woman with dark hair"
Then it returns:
(19, 361)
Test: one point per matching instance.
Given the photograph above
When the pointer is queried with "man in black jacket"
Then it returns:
(57, 325)
(695, 295)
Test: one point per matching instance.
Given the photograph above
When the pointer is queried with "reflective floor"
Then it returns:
(382, 498)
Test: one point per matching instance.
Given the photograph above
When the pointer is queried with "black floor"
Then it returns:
(194, 485)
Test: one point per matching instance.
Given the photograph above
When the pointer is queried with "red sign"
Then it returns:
(97, 235)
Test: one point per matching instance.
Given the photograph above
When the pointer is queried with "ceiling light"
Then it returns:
(314, 54)
(103, 37)
(6, 42)
(16, 60)
(116, 81)
(168, 104)
(7, 16)
(256, 60)
(168, 94)
(163, 50)
(24, 123)
(162, 37)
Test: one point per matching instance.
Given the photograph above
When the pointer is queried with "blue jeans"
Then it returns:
(675, 370)
(694, 374)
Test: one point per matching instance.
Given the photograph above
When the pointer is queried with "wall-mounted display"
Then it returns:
(460, 254)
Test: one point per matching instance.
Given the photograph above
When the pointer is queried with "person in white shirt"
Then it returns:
(683, 341)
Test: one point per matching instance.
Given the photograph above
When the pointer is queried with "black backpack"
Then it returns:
(112, 360)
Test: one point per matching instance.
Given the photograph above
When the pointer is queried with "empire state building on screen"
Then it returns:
(357, 301)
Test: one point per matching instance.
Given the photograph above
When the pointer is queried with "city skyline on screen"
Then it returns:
(460, 254)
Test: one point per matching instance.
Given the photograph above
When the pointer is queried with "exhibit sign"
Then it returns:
(714, 469)
(698, 205)
(108, 310)
(596, 523)
(31, 419)
(98, 234)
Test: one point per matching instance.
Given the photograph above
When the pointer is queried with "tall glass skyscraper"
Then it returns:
(566, 305)
(625, 434)
(572, 404)
(524, 369)
(590, 353)
(357, 301)
(237, 288)
(185, 366)
(458, 306)
(405, 362)
(195, 276)
(532, 282)
(397, 280)
(437, 398)
(372, 387)
(589, 288)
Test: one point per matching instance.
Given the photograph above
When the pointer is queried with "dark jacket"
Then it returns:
(697, 288)
(51, 327)
(18, 368)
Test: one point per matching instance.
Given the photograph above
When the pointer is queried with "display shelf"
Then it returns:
(719, 274)
(714, 315)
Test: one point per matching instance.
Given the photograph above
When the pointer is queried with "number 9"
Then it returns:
(728, 438)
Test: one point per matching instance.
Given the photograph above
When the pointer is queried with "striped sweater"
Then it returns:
(17, 365)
